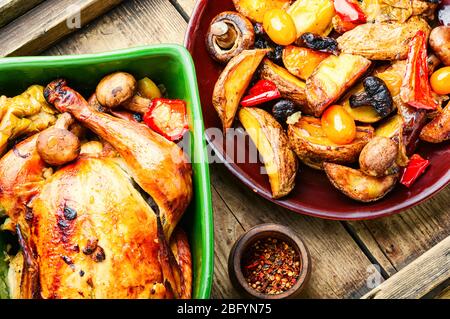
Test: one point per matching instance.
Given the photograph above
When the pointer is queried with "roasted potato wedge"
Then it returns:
(233, 83)
(331, 78)
(438, 130)
(290, 86)
(312, 16)
(272, 143)
(382, 41)
(302, 62)
(255, 9)
(357, 185)
(313, 147)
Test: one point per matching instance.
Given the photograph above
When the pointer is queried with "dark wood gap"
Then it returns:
(180, 10)
(365, 249)
(229, 208)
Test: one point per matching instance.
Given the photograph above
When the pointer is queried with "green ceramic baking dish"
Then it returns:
(168, 64)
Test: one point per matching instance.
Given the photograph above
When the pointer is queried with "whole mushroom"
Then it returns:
(57, 145)
(115, 89)
(229, 34)
(440, 43)
(378, 157)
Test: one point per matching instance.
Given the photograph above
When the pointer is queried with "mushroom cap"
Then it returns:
(115, 89)
(378, 157)
(244, 35)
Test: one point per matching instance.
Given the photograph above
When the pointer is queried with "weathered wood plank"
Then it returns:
(420, 278)
(133, 23)
(50, 21)
(340, 269)
(11, 9)
(186, 5)
(227, 230)
(403, 238)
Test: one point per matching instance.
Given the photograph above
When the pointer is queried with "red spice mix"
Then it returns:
(271, 266)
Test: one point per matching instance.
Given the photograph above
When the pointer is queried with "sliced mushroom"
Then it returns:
(376, 94)
(229, 34)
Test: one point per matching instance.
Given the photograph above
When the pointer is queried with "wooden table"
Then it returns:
(346, 255)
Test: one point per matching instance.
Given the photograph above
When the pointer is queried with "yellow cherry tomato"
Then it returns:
(339, 126)
(280, 27)
(440, 81)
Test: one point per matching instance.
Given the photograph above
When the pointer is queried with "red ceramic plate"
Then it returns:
(313, 194)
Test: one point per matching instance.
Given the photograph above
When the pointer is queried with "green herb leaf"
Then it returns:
(4, 291)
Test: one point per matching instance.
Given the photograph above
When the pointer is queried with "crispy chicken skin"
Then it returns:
(89, 230)
(156, 164)
(95, 235)
(382, 41)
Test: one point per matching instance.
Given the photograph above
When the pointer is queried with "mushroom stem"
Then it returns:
(64, 121)
(225, 34)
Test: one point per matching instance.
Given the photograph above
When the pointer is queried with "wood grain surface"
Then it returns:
(47, 23)
(421, 278)
(342, 253)
(11, 9)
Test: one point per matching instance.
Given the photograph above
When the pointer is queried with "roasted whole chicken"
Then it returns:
(105, 224)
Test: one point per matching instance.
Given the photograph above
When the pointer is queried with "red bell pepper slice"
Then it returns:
(416, 167)
(416, 90)
(168, 118)
(263, 91)
(349, 11)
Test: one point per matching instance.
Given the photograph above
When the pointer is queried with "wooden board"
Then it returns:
(131, 24)
(11, 9)
(419, 279)
(340, 268)
(49, 22)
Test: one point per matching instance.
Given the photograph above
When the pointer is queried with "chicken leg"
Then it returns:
(158, 166)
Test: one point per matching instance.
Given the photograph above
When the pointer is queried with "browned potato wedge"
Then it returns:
(313, 147)
(357, 185)
(290, 86)
(255, 9)
(272, 143)
(382, 41)
(233, 83)
(331, 78)
(438, 130)
(302, 62)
